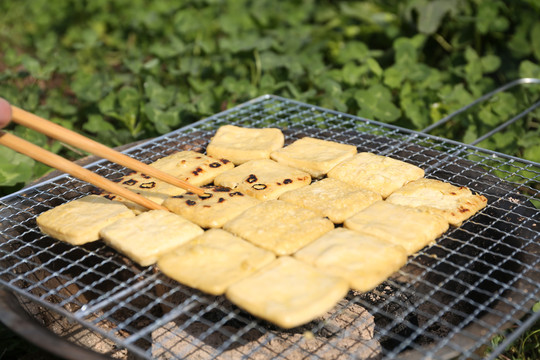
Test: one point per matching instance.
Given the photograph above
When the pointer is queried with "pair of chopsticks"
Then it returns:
(72, 138)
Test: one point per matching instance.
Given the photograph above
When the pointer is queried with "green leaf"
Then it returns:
(529, 69)
(376, 103)
(96, 124)
(61, 106)
(128, 99)
(164, 121)
(352, 73)
(490, 63)
(89, 87)
(15, 168)
(473, 69)
(431, 14)
(394, 76)
(353, 51)
(535, 43)
(532, 153)
(374, 66)
(159, 96)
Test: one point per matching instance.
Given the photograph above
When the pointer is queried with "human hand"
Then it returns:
(5, 113)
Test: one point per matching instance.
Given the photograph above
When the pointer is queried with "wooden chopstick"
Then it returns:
(58, 162)
(58, 132)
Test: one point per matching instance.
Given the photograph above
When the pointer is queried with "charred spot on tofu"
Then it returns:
(221, 200)
(215, 165)
(205, 196)
(145, 176)
(259, 186)
(287, 181)
(110, 196)
(197, 171)
(236, 193)
(190, 202)
(130, 182)
(224, 161)
(251, 178)
(178, 196)
(148, 185)
(221, 189)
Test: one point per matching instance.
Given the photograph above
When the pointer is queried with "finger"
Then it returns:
(5, 113)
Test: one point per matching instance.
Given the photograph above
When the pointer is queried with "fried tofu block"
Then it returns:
(79, 221)
(190, 166)
(455, 204)
(146, 186)
(313, 156)
(380, 174)
(364, 261)
(193, 167)
(279, 226)
(411, 228)
(213, 261)
(219, 205)
(263, 179)
(332, 198)
(244, 144)
(146, 237)
(288, 292)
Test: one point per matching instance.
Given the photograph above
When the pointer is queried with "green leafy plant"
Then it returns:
(123, 71)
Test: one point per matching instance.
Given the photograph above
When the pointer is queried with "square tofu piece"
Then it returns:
(332, 198)
(190, 166)
(146, 186)
(219, 205)
(411, 228)
(313, 156)
(263, 179)
(364, 261)
(279, 226)
(380, 174)
(288, 292)
(79, 221)
(243, 144)
(455, 204)
(193, 167)
(149, 235)
(213, 261)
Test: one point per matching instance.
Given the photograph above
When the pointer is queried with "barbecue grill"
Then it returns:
(448, 301)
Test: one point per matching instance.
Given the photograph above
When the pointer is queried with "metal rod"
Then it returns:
(479, 100)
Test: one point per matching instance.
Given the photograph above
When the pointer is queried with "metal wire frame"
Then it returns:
(476, 281)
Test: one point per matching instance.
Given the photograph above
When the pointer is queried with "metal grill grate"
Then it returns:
(449, 299)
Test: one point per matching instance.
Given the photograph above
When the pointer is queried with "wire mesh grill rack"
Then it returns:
(449, 299)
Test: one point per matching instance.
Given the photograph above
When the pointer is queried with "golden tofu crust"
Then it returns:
(455, 203)
(332, 198)
(148, 236)
(364, 261)
(411, 228)
(288, 292)
(213, 261)
(240, 144)
(80, 221)
(313, 156)
(263, 179)
(213, 210)
(377, 173)
(190, 166)
(279, 226)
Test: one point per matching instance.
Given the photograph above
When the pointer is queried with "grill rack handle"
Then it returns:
(522, 81)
